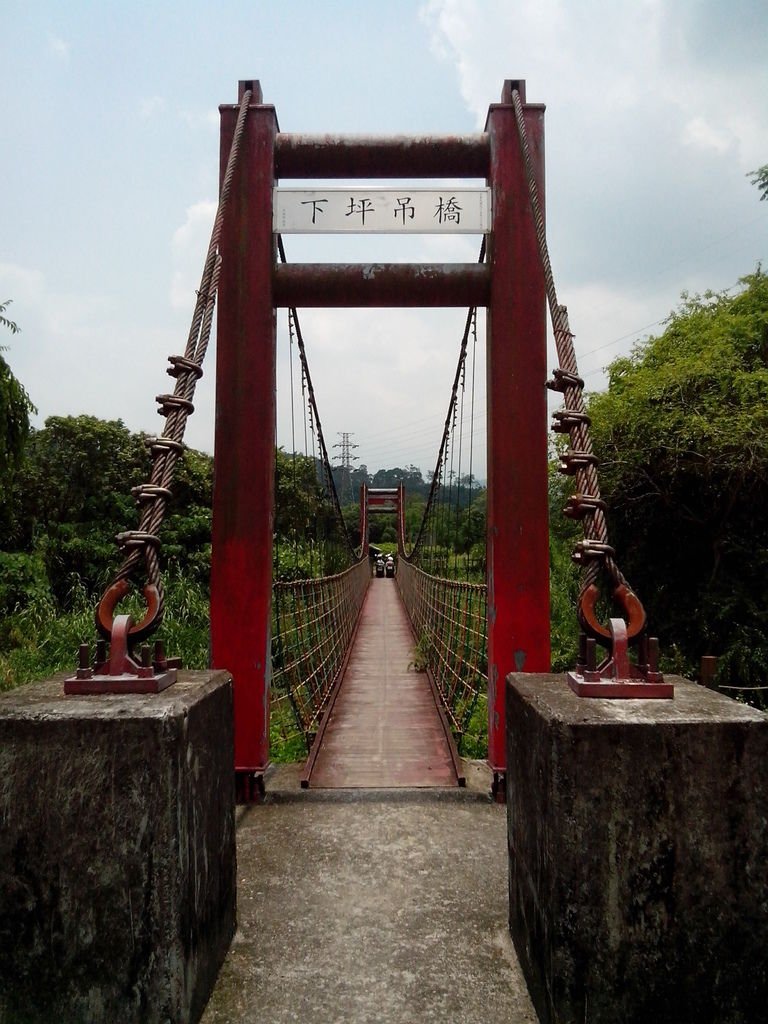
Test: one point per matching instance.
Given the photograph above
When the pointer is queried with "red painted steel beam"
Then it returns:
(397, 156)
(381, 284)
(518, 535)
(364, 539)
(243, 499)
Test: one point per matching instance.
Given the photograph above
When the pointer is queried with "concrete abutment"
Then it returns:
(638, 854)
(117, 852)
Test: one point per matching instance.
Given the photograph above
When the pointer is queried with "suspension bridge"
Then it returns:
(382, 684)
(288, 644)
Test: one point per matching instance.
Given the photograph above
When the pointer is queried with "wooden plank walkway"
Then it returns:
(384, 730)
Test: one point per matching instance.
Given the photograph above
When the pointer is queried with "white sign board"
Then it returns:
(388, 210)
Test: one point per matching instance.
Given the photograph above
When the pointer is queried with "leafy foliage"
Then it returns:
(308, 541)
(72, 494)
(41, 638)
(564, 577)
(68, 499)
(12, 326)
(15, 410)
(682, 435)
(759, 178)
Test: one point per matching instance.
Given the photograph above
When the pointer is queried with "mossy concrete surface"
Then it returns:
(638, 838)
(117, 852)
(371, 907)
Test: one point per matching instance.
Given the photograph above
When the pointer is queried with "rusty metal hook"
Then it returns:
(105, 611)
(626, 599)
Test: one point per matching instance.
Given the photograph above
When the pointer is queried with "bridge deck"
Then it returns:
(384, 730)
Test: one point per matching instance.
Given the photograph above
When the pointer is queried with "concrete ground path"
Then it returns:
(371, 907)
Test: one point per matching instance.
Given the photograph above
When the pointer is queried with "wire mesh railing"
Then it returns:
(449, 620)
(442, 578)
(313, 623)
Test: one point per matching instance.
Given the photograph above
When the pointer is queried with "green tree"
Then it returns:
(682, 435)
(308, 540)
(15, 410)
(759, 178)
(564, 577)
(411, 476)
(414, 513)
(72, 494)
(358, 476)
(186, 531)
(470, 529)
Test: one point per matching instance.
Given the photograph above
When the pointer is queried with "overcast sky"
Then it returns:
(656, 111)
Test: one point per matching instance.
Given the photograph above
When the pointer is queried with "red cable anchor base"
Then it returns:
(617, 677)
(120, 673)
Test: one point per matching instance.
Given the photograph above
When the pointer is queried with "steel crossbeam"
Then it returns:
(376, 156)
(381, 284)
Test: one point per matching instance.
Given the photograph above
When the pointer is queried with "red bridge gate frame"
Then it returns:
(252, 286)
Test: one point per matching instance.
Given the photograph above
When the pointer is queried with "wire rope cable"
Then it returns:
(143, 544)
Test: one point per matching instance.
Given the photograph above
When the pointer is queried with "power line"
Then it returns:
(656, 323)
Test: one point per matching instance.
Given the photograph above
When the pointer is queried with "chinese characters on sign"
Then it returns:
(416, 210)
(448, 211)
(404, 208)
(361, 207)
(317, 207)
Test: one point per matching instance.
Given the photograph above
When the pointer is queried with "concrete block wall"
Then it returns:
(638, 855)
(117, 852)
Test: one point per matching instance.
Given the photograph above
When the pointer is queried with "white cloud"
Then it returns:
(655, 111)
(80, 352)
(59, 47)
(596, 61)
(189, 246)
(21, 284)
(652, 121)
(151, 106)
(699, 132)
(207, 119)
(607, 321)
(384, 374)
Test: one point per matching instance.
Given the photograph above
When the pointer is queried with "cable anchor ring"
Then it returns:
(626, 599)
(105, 611)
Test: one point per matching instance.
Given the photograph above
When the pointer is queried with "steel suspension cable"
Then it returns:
(305, 409)
(446, 429)
(305, 416)
(458, 480)
(153, 497)
(293, 432)
(316, 418)
(579, 461)
(472, 427)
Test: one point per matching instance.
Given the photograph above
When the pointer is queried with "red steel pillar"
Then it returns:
(518, 531)
(243, 497)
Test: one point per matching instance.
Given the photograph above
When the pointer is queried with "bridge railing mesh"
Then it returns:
(449, 620)
(313, 623)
